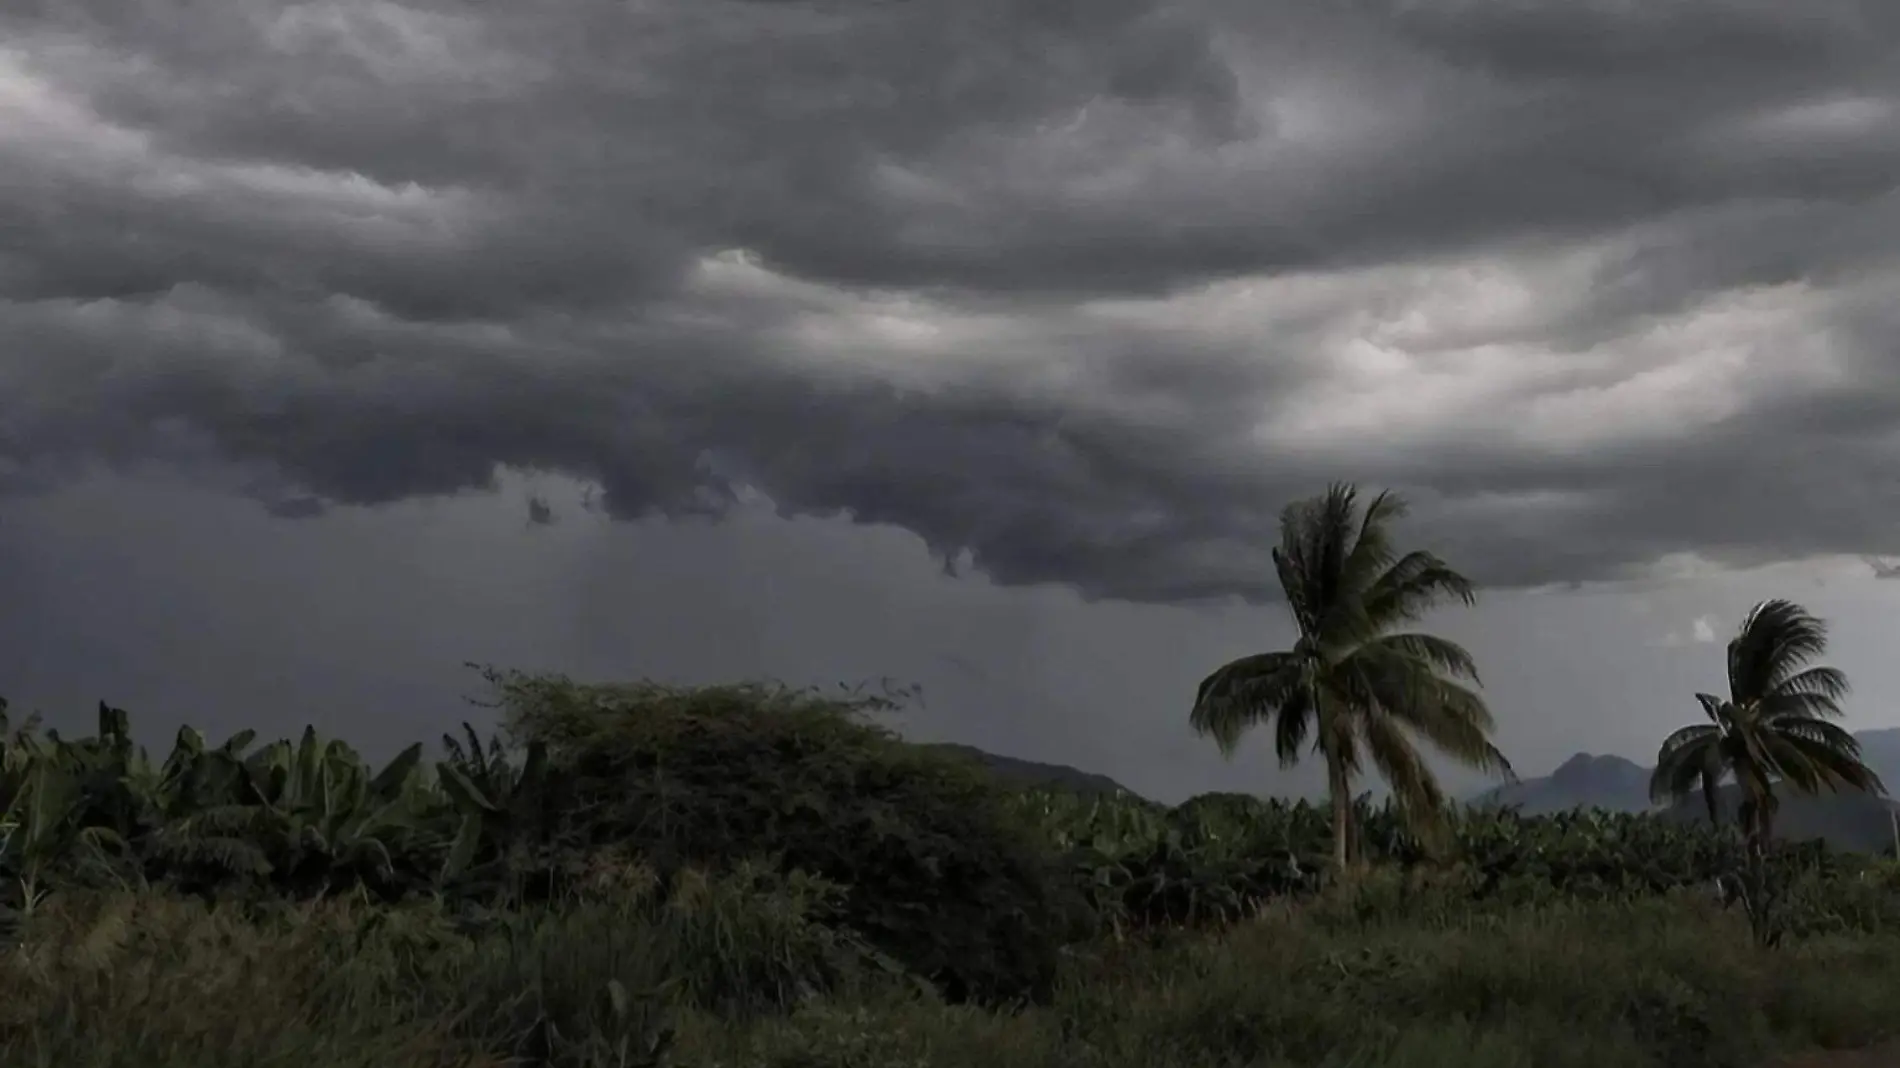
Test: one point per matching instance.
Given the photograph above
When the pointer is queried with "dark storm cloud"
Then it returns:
(371, 252)
(604, 142)
(540, 513)
(1744, 42)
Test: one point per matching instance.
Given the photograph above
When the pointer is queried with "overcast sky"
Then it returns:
(343, 342)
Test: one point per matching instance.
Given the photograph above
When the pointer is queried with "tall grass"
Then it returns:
(152, 981)
(730, 973)
(752, 878)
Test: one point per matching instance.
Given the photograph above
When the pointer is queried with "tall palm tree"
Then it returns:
(1774, 728)
(1354, 682)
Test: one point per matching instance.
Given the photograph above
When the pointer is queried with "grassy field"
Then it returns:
(713, 976)
(749, 878)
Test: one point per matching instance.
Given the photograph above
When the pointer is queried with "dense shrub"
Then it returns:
(940, 873)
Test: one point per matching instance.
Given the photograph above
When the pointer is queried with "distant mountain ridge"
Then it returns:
(1853, 821)
(1586, 780)
(1033, 775)
(1845, 820)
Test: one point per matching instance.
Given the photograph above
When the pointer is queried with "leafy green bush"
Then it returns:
(1211, 860)
(1216, 857)
(940, 873)
(288, 820)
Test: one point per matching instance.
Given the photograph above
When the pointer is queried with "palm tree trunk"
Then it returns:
(1341, 790)
(1338, 782)
(1757, 822)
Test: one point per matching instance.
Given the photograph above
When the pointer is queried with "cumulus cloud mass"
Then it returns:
(1079, 293)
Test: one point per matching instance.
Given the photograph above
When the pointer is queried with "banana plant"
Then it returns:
(304, 815)
(194, 778)
(37, 826)
(484, 765)
(329, 815)
(496, 804)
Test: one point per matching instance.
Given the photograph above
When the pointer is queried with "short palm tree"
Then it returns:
(1354, 682)
(1774, 728)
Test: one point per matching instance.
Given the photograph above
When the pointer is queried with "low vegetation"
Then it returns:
(752, 876)
(758, 877)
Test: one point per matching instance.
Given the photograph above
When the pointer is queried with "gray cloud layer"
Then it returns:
(1078, 293)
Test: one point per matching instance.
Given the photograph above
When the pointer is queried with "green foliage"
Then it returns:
(943, 876)
(1362, 685)
(973, 887)
(627, 864)
(687, 976)
(174, 982)
(937, 872)
(294, 819)
(1212, 860)
(1219, 857)
(1774, 731)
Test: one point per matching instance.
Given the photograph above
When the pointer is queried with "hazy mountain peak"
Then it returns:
(1031, 773)
(1588, 780)
(1588, 769)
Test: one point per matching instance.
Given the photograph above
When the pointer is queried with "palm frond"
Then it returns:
(1296, 586)
(1799, 706)
(1292, 724)
(1241, 694)
(1331, 537)
(1399, 762)
(1818, 731)
(1299, 565)
(1814, 756)
(1822, 681)
(1815, 694)
(1439, 655)
(1372, 553)
(1777, 639)
(1386, 682)
(1457, 722)
(1418, 583)
(1683, 762)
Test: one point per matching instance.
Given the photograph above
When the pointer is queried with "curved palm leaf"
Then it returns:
(1240, 694)
(1352, 682)
(1774, 729)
